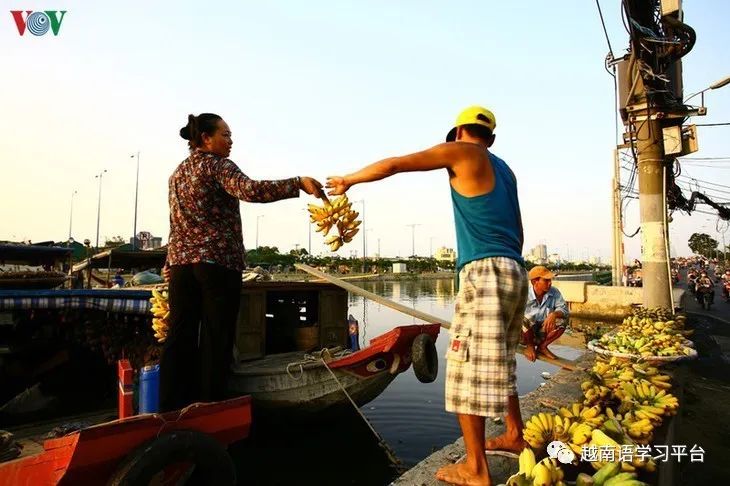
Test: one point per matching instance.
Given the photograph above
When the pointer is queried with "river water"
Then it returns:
(408, 415)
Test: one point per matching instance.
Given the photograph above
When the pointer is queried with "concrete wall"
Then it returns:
(587, 299)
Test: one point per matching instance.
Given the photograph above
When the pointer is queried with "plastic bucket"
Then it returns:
(149, 389)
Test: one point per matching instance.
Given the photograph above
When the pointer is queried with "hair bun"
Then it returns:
(185, 132)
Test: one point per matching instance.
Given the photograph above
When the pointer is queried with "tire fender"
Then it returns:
(425, 358)
(212, 462)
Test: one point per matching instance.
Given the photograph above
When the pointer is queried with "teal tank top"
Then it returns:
(489, 225)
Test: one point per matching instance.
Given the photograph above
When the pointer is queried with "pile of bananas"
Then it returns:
(656, 313)
(531, 473)
(336, 213)
(613, 372)
(609, 475)
(543, 428)
(161, 313)
(646, 338)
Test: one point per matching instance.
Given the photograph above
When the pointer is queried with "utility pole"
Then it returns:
(136, 192)
(618, 256)
(71, 215)
(413, 238)
(650, 99)
(99, 176)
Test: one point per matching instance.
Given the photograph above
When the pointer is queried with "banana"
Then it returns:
(527, 461)
(541, 475)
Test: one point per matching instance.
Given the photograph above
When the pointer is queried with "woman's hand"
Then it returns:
(337, 185)
(311, 186)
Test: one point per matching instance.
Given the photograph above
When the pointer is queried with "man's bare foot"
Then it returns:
(460, 474)
(543, 350)
(506, 442)
(530, 353)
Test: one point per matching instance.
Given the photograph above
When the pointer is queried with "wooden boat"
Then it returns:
(127, 450)
(292, 340)
(310, 383)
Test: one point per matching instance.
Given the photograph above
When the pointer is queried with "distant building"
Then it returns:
(594, 260)
(400, 268)
(145, 241)
(445, 254)
(540, 251)
(554, 258)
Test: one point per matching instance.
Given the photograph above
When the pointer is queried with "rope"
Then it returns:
(381, 442)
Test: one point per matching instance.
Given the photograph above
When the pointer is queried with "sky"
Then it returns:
(323, 88)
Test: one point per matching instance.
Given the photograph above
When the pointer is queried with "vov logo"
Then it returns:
(38, 23)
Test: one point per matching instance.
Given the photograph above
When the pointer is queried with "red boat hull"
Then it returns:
(91, 455)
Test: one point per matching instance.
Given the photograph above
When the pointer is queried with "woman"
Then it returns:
(205, 259)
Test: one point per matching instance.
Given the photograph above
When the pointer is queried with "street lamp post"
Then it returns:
(98, 207)
(715, 85)
(364, 249)
(257, 229)
(71, 215)
(413, 238)
(136, 191)
(309, 236)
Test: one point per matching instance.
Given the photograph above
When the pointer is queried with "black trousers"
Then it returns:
(196, 357)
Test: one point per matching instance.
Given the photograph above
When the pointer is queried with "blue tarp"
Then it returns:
(121, 301)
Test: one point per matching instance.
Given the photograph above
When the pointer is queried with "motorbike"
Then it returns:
(705, 296)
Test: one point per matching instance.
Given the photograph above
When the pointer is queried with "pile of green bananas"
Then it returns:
(161, 313)
(646, 338)
(609, 475)
(336, 213)
(531, 473)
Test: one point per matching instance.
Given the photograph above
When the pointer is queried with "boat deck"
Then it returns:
(277, 363)
(32, 436)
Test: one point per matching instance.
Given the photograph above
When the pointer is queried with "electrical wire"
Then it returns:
(605, 32)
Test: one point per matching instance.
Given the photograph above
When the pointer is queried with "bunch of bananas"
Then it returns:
(615, 371)
(583, 415)
(601, 440)
(544, 428)
(646, 401)
(609, 475)
(160, 314)
(594, 393)
(531, 473)
(336, 213)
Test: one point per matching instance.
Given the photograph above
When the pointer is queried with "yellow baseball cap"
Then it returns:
(474, 115)
(540, 272)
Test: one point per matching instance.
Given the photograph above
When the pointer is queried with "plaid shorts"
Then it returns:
(480, 366)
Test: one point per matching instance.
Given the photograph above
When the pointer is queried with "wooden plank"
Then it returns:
(563, 363)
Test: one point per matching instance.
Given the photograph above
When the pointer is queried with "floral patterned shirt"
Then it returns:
(205, 218)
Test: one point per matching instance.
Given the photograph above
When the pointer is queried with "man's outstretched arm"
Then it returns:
(441, 156)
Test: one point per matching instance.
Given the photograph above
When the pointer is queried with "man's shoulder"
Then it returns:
(555, 292)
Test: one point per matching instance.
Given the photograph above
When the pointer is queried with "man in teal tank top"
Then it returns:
(480, 367)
